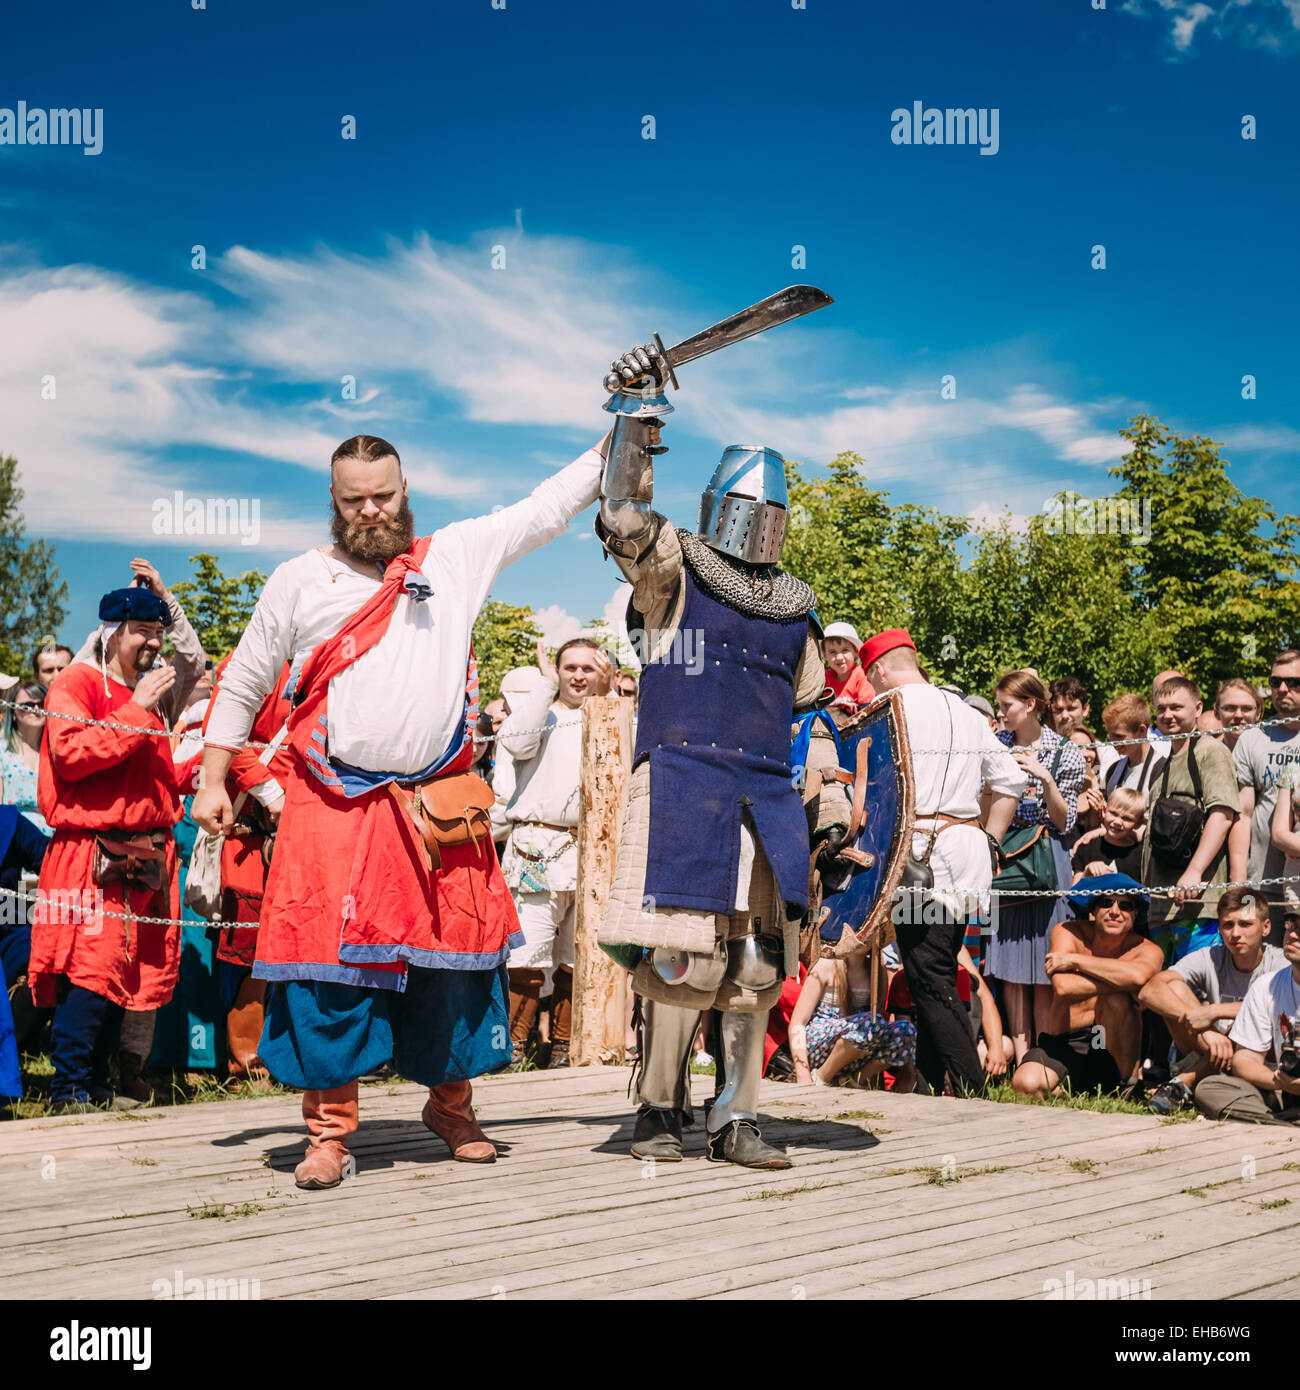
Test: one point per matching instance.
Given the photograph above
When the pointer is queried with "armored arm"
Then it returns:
(638, 404)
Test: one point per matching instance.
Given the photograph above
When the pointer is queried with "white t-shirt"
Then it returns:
(1212, 976)
(1263, 759)
(1270, 1003)
(1140, 776)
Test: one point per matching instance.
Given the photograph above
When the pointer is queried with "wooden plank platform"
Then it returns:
(890, 1197)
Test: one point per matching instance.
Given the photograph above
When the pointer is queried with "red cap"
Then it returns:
(875, 647)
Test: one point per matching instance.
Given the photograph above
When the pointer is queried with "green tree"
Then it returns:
(1217, 588)
(33, 599)
(1054, 598)
(218, 606)
(1191, 573)
(505, 636)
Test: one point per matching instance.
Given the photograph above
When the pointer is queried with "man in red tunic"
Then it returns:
(110, 795)
(374, 946)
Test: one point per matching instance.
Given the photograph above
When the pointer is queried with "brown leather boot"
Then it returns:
(331, 1116)
(561, 1018)
(244, 1025)
(449, 1113)
(525, 999)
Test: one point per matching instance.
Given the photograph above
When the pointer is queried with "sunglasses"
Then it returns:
(28, 707)
(1277, 682)
(1124, 904)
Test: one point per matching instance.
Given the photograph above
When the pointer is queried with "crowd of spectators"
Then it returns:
(1141, 973)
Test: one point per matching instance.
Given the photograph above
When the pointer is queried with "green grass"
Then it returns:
(1005, 1094)
(781, 1194)
(1084, 1165)
(709, 1069)
(939, 1177)
(1271, 1205)
(1208, 1187)
(225, 1211)
(170, 1088)
(857, 1115)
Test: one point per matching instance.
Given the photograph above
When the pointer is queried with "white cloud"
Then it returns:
(1269, 24)
(556, 624)
(524, 344)
(614, 617)
(131, 370)
(986, 516)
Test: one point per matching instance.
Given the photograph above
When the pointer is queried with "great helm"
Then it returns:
(743, 510)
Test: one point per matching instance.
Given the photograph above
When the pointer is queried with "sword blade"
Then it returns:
(787, 304)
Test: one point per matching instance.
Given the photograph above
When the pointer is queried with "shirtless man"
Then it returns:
(1097, 969)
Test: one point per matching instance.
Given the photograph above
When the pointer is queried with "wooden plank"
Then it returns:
(599, 984)
(561, 1216)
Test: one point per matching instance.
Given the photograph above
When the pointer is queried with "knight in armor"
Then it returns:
(712, 874)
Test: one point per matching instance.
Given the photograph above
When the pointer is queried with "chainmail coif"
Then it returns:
(758, 591)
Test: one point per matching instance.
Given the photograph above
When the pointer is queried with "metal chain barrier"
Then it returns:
(171, 733)
(569, 723)
(1078, 891)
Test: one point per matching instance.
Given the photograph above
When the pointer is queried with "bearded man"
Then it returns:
(381, 935)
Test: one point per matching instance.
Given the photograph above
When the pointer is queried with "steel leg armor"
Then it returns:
(668, 1034)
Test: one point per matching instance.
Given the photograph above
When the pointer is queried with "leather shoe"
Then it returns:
(449, 1113)
(324, 1164)
(741, 1143)
(657, 1135)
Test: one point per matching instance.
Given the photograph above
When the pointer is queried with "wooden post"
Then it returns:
(599, 985)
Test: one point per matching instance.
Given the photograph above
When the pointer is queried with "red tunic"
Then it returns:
(350, 897)
(243, 875)
(94, 779)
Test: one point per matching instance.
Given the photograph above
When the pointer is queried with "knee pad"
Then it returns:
(692, 969)
(755, 962)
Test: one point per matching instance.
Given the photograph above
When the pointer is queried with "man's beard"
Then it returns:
(383, 543)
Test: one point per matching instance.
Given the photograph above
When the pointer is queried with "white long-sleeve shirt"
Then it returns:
(398, 706)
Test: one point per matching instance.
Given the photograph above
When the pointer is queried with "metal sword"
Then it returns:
(791, 303)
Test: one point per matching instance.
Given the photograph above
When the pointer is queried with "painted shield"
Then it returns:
(874, 748)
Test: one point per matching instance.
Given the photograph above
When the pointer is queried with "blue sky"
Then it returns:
(522, 128)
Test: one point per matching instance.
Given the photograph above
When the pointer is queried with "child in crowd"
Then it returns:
(844, 675)
(1115, 847)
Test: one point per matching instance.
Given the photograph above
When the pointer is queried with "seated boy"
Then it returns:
(1201, 995)
(1265, 1083)
(1115, 847)
(1097, 968)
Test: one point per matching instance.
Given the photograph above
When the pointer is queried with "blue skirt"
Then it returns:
(447, 1025)
(1018, 947)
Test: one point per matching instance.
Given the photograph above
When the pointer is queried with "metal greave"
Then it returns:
(667, 1034)
(741, 1045)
